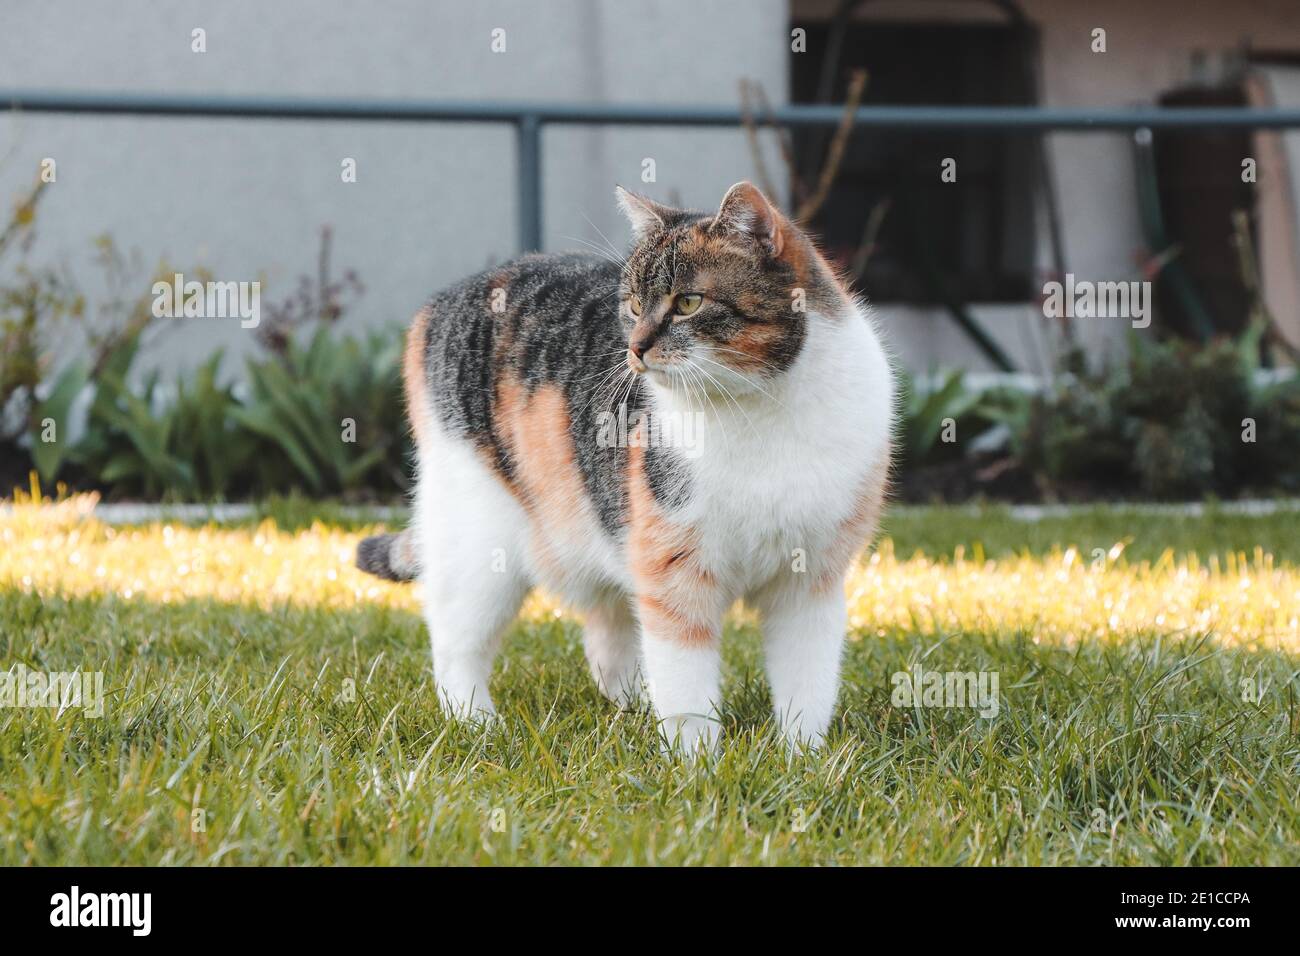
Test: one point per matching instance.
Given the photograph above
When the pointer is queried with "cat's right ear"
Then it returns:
(745, 210)
(644, 214)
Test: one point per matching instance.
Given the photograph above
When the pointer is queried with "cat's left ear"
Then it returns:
(747, 211)
(644, 214)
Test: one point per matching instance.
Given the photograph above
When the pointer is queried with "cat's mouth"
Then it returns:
(656, 368)
(644, 364)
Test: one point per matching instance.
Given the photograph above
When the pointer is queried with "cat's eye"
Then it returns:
(687, 302)
(634, 305)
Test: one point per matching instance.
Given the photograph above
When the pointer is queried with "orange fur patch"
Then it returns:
(535, 430)
(756, 341)
(546, 478)
(418, 409)
(675, 594)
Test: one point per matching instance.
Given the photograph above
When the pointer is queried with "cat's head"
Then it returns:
(726, 296)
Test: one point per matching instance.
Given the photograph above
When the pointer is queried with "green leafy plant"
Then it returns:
(207, 435)
(328, 413)
(1273, 458)
(33, 302)
(55, 408)
(1168, 420)
(130, 444)
(319, 411)
(183, 445)
(923, 412)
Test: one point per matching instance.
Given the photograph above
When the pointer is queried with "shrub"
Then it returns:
(329, 417)
(32, 304)
(1169, 421)
(321, 411)
(923, 411)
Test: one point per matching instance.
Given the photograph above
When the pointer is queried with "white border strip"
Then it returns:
(1252, 507)
(121, 513)
(1249, 507)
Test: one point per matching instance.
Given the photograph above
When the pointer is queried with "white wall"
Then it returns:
(432, 202)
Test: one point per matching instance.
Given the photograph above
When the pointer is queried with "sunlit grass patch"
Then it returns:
(1061, 595)
(267, 703)
(1065, 597)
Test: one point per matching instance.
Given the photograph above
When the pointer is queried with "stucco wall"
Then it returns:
(432, 202)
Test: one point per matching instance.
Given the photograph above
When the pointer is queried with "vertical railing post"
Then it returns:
(528, 152)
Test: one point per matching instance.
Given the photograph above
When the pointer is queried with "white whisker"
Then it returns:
(749, 380)
(726, 394)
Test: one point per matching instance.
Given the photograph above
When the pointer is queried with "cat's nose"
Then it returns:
(634, 353)
(637, 348)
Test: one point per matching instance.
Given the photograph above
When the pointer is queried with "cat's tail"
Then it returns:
(390, 556)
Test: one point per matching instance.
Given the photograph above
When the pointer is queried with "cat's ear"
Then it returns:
(745, 210)
(644, 214)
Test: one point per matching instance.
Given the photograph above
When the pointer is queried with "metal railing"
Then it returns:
(530, 119)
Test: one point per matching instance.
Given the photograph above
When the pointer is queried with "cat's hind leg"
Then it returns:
(612, 648)
(470, 535)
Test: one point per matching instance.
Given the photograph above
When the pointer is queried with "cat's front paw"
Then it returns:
(801, 734)
(470, 710)
(690, 735)
(800, 741)
(624, 688)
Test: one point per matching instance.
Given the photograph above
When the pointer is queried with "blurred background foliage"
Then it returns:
(317, 410)
(1174, 419)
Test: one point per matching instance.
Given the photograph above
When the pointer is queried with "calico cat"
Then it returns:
(760, 404)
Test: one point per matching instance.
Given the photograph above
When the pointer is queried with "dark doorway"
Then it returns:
(1198, 175)
(971, 240)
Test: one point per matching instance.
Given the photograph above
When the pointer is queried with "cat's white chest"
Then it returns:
(764, 507)
(776, 478)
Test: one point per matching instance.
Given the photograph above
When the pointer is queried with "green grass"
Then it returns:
(937, 530)
(1137, 750)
